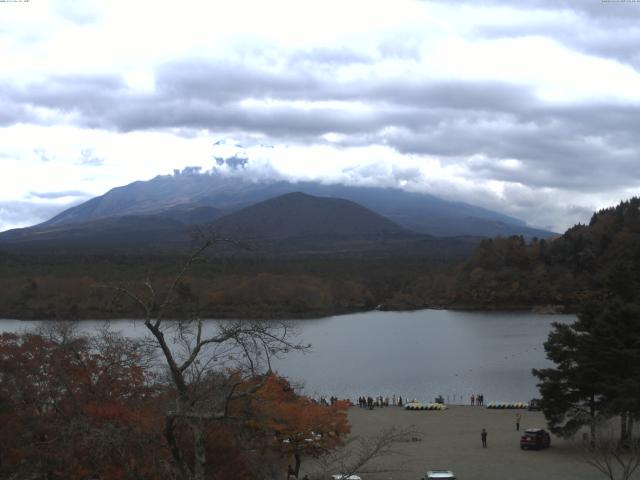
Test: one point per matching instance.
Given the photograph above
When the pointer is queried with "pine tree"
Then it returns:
(572, 391)
(597, 373)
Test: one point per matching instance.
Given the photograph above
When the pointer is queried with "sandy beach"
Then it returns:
(451, 440)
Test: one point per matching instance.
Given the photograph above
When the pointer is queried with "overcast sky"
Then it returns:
(531, 108)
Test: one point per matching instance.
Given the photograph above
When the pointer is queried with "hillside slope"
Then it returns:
(294, 224)
(301, 215)
(418, 212)
(587, 262)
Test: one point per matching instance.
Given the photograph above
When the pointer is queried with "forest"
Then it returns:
(84, 286)
(578, 267)
(557, 274)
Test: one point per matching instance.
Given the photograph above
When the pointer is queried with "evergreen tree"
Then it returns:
(597, 371)
(572, 391)
(617, 327)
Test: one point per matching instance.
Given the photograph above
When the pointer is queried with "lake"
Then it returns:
(418, 354)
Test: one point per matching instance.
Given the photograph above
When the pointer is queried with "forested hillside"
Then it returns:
(83, 286)
(566, 271)
(559, 274)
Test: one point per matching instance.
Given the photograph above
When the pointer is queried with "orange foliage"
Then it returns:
(296, 424)
(74, 409)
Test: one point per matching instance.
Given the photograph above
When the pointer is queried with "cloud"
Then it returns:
(525, 106)
(57, 195)
(605, 29)
(42, 155)
(85, 12)
(493, 131)
(88, 158)
(235, 162)
(17, 214)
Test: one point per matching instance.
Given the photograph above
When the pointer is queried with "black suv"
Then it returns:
(535, 438)
(534, 405)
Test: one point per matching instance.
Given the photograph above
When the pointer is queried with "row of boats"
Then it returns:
(442, 406)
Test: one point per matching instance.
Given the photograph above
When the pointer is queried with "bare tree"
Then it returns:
(360, 453)
(197, 355)
(613, 458)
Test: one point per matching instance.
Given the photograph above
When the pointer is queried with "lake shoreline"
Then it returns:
(269, 314)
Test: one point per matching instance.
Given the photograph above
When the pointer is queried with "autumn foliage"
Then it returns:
(69, 410)
(82, 408)
(298, 426)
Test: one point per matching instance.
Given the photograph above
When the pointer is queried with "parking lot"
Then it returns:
(451, 440)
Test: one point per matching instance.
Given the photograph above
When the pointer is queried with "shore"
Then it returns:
(451, 440)
(275, 314)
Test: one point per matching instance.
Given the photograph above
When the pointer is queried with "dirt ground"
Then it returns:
(451, 440)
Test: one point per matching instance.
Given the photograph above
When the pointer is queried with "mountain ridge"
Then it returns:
(419, 212)
(294, 224)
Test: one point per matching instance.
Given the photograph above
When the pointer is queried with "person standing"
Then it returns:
(483, 435)
(518, 418)
(473, 399)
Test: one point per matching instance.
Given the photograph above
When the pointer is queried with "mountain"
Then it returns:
(300, 215)
(130, 232)
(294, 224)
(418, 212)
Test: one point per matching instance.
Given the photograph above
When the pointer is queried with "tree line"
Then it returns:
(76, 287)
(569, 271)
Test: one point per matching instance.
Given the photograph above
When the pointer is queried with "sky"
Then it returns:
(527, 107)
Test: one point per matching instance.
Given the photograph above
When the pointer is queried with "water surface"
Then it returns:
(417, 354)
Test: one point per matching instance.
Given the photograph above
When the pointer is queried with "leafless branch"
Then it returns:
(610, 457)
(359, 453)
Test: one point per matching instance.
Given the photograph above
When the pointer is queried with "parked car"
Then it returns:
(534, 405)
(536, 438)
(343, 477)
(448, 474)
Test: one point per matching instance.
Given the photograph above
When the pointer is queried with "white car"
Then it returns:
(342, 477)
(448, 474)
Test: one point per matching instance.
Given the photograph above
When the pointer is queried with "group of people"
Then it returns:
(332, 400)
(396, 400)
(379, 401)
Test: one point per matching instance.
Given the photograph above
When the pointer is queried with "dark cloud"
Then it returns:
(602, 10)
(82, 95)
(234, 162)
(219, 83)
(608, 29)
(62, 194)
(567, 146)
(12, 112)
(577, 147)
